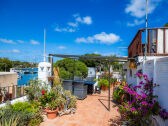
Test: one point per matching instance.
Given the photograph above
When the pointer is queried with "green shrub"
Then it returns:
(21, 112)
(9, 121)
(118, 94)
(70, 68)
(72, 99)
(103, 82)
(36, 120)
(24, 107)
(33, 91)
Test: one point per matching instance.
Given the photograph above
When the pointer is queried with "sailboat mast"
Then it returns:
(146, 28)
(44, 45)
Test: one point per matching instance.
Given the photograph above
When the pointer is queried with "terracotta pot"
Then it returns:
(104, 88)
(51, 114)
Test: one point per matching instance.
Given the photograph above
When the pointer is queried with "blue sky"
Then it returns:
(73, 26)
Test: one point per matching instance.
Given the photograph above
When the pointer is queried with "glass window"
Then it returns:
(48, 68)
(42, 68)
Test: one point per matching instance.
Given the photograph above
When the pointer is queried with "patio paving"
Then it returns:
(90, 112)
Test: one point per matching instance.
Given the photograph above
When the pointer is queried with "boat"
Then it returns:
(19, 76)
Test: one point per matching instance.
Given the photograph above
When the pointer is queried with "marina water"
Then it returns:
(25, 77)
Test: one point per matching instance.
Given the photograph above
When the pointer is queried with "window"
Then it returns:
(42, 68)
(48, 68)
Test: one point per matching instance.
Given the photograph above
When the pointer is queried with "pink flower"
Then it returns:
(144, 103)
(141, 82)
(133, 109)
(144, 95)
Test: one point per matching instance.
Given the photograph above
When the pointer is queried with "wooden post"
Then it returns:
(109, 86)
(50, 58)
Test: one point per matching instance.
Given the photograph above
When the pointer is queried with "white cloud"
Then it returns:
(102, 37)
(10, 51)
(84, 20)
(137, 8)
(135, 23)
(16, 51)
(61, 47)
(20, 41)
(58, 29)
(7, 41)
(87, 20)
(73, 26)
(34, 42)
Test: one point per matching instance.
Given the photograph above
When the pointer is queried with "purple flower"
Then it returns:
(139, 75)
(141, 82)
(138, 97)
(144, 95)
(133, 109)
(150, 105)
(164, 114)
(144, 103)
(145, 76)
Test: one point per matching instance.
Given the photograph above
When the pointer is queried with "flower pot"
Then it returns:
(51, 114)
(104, 88)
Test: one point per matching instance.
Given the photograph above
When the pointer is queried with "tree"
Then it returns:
(6, 64)
(90, 62)
(166, 25)
(70, 68)
(95, 63)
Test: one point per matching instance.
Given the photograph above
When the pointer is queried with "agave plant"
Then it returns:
(10, 121)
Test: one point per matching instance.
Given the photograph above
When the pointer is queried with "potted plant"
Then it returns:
(103, 83)
(52, 109)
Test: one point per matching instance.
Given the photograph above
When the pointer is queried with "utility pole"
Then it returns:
(44, 45)
(146, 30)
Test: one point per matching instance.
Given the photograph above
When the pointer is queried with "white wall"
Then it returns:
(161, 67)
(148, 68)
(157, 69)
(160, 41)
(8, 79)
(166, 40)
(131, 79)
(21, 99)
(91, 72)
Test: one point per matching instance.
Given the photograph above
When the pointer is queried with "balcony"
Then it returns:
(157, 44)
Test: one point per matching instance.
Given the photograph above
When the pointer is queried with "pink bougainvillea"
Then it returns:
(142, 103)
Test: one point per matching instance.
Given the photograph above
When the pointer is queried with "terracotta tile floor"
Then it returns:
(90, 112)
